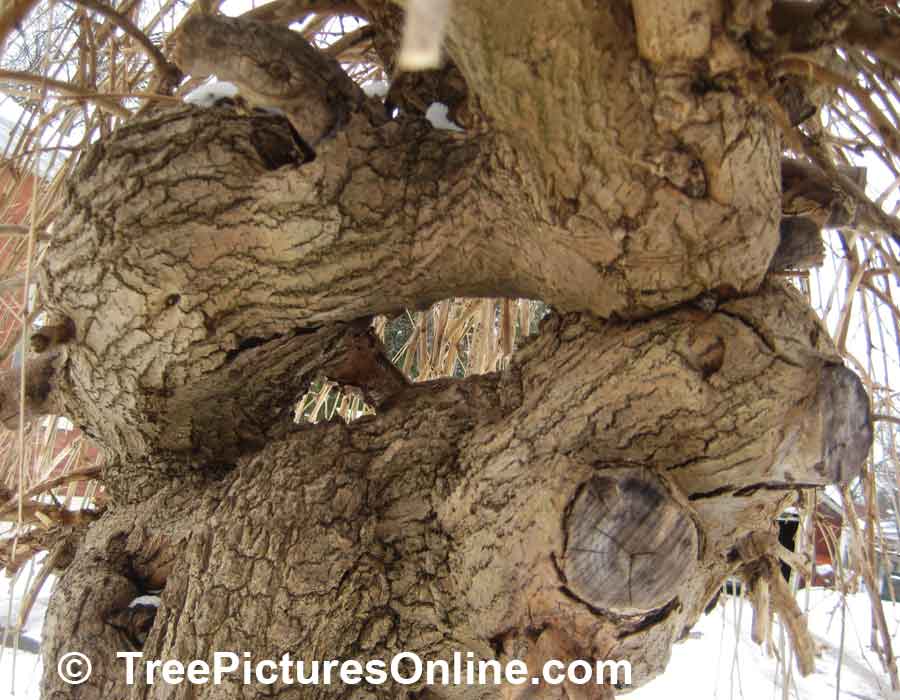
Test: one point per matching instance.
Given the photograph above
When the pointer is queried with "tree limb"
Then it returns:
(474, 461)
(349, 41)
(801, 245)
(845, 181)
(273, 67)
(810, 70)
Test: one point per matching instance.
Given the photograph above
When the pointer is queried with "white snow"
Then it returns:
(437, 115)
(717, 662)
(207, 95)
(20, 676)
(20, 672)
(376, 88)
(12, 594)
(153, 600)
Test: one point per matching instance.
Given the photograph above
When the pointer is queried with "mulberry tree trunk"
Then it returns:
(586, 503)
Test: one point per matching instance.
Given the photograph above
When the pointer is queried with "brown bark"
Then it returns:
(203, 217)
(801, 245)
(275, 67)
(807, 192)
(457, 518)
(211, 272)
(806, 26)
(39, 398)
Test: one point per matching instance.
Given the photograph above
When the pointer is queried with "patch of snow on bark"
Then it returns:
(437, 115)
(207, 95)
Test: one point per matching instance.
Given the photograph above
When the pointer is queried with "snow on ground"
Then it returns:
(20, 672)
(709, 665)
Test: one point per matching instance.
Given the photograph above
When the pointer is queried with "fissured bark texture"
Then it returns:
(460, 518)
(668, 409)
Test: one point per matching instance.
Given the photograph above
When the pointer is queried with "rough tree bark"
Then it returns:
(587, 502)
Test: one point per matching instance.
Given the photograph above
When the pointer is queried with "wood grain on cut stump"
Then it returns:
(800, 246)
(847, 434)
(828, 441)
(629, 543)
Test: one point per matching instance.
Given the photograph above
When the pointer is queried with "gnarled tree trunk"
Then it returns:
(587, 502)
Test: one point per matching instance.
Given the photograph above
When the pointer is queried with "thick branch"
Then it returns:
(465, 515)
(229, 240)
(821, 75)
(274, 67)
(672, 170)
(808, 192)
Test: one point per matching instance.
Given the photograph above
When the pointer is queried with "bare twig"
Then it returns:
(15, 13)
(169, 72)
(351, 40)
(288, 11)
(868, 573)
(102, 101)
